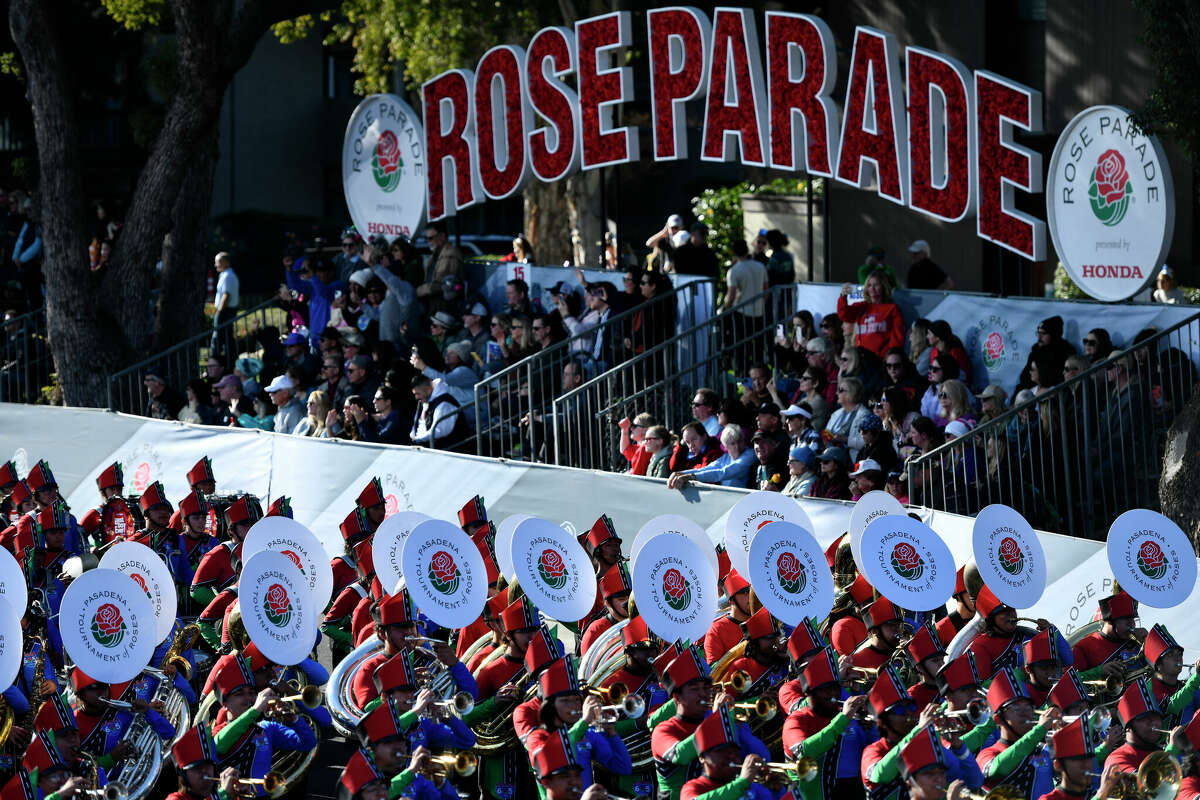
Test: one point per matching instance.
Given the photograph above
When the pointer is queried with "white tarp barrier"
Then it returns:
(322, 477)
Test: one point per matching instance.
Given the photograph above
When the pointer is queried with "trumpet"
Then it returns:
(738, 682)
(270, 782)
(114, 791)
(762, 709)
(975, 714)
(1028, 619)
(805, 768)
(1113, 684)
(460, 705)
(1004, 792)
(632, 706)
(1100, 717)
(120, 705)
(613, 694)
(310, 696)
(463, 764)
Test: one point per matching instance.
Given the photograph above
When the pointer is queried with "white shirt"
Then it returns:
(227, 283)
(750, 279)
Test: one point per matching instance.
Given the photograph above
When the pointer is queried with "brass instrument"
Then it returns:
(613, 694)
(975, 714)
(1114, 684)
(1158, 778)
(42, 686)
(114, 791)
(460, 705)
(806, 768)
(1029, 619)
(632, 706)
(762, 708)
(271, 782)
(310, 696)
(1003, 792)
(7, 717)
(462, 764)
(738, 682)
(184, 639)
(1099, 717)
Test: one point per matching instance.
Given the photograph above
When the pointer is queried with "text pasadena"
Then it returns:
(547, 110)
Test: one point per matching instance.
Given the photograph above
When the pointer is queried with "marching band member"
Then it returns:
(726, 630)
(20, 503)
(355, 528)
(964, 604)
(928, 655)
(1070, 697)
(1018, 758)
(804, 642)
(495, 680)
(201, 480)
(43, 566)
(266, 673)
(156, 514)
(487, 623)
(765, 660)
(959, 683)
(559, 773)
(219, 567)
(44, 488)
(828, 730)
(396, 738)
(492, 609)
(637, 674)
(1177, 700)
(603, 545)
(102, 726)
(44, 774)
(884, 623)
(1043, 665)
(8, 482)
(1001, 639)
(397, 680)
(184, 551)
(362, 779)
(543, 650)
(195, 756)
(1074, 760)
(615, 588)
(473, 516)
(57, 719)
(728, 774)
(1108, 650)
(111, 483)
(1189, 757)
(373, 501)
(1143, 724)
(924, 766)
(673, 742)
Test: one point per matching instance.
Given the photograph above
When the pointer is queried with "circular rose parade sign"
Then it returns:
(300, 546)
(675, 588)
(1151, 558)
(444, 572)
(383, 168)
(10, 643)
(790, 575)
(277, 607)
(1110, 203)
(750, 515)
(387, 546)
(146, 569)
(553, 569)
(907, 562)
(108, 625)
(1009, 556)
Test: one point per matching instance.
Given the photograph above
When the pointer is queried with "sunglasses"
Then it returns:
(1090, 342)
(935, 369)
(877, 405)
(347, 245)
(646, 283)
(894, 364)
(943, 396)
(701, 403)
(813, 352)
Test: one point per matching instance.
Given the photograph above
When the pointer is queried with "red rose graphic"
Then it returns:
(388, 152)
(108, 619)
(1151, 554)
(295, 559)
(443, 566)
(391, 505)
(995, 345)
(277, 600)
(552, 563)
(1010, 551)
(141, 477)
(140, 581)
(906, 556)
(674, 584)
(789, 568)
(1111, 176)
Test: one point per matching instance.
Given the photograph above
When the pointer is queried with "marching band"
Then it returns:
(864, 699)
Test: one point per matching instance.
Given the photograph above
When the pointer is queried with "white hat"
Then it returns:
(360, 276)
(674, 221)
(281, 382)
(680, 238)
(957, 428)
(796, 411)
(866, 465)
(920, 245)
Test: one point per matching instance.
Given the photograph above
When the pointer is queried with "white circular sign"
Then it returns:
(277, 607)
(680, 526)
(387, 545)
(503, 542)
(12, 583)
(383, 168)
(676, 589)
(1111, 203)
(291, 539)
(1009, 556)
(10, 643)
(108, 625)
(867, 509)
(908, 563)
(553, 569)
(790, 575)
(1151, 558)
(147, 569)
(750, 514)
(444, 573)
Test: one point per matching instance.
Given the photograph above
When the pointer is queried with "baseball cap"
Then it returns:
(993, 391)
(957, 428)
(837, 454)
(353, 337)
(918, 246)
(680, 238)
(674, 221)
(804, 455)
(866, 465)
(795, 411)
(293, 338)
(360, 276)
(768, 408)
(444, 319)
(281, 382)
(477, 309)
(227, 381)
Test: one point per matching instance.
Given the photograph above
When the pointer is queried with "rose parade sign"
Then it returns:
(383, 168)
(868, 508)
(790, 575)
(10, 642)
(907, 562)
(1111, 203)
(147, 569)
(749, 515)
(444, 572)
(300, 546)
(675, 588)
(553, 569)
(675, 525)
(12, 582)
(1151, 558)
(108, 625)
(277, 607)
(388, 546)
(1009, 556)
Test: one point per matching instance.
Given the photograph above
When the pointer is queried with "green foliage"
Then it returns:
(10, 65)
(136, 14)
(721, 209)
(1064, 287)
(1172, 40)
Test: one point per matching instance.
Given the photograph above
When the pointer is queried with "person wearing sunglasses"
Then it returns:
(878, 322)
(1097, 345)
(1053, 347)
(942, 368)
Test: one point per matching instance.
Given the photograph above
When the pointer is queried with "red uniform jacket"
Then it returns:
(593, 631)
(496, 674)
(1095, 649)
(722, 636)
(364, 679)
(1127, 758)
(525, 718)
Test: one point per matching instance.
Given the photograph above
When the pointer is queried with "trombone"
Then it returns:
(1113, 684)
(762, 709)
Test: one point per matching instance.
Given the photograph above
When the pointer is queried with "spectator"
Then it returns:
(1097, 345)
(790, 354)
(696, 257)
(802, 469)
(798, 421)
(516, 296)
(522, 251)
(673, 225)
(163, 402)
(923, 273)
(295, 346)
(866, 477)
(1023, 434)
(385, 425)
(855, 363)
(759, 247)
(1073, 366)
(940, 369)
(441, 333)
(954, 402)
(781, 267)
(877, 445)
(318, 407)
(695, 449)
(255, 413)
(444, 259)
(1050, 341)
(768, 419)
(820, 358)
(198, 408)
(812, 393)
(845, 421)
(350, 259)
(215, 368)
(601, 346)
(631, 293)
(926, 435)
(359, 381)
(1167, 291)
(27, 256)
(658, 442)
(731, 468)
(632, 442)
(831, 332)
(992, 400)
(437, 422)
(651, 325)
(475, 329)
(398, 307)
(332, 376)
(459, 377)
(353, 343)
(875, 262)
(943, 340)
(894, 410)
(521, 340)
(349, 424)
(545, 331)
(900, 373)
(758, 393)
(225, 304)
(745, 279)
(229, 392)
(833, 483)
(1040, 372)
(734, 412)
(329, 342)
(919, 348)
(319, 285)
(897, 486)
(772, 455)
(705, 405)
(288, 409)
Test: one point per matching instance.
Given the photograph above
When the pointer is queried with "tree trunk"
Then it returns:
(563, 219)
(1181, 471)
(185, 262)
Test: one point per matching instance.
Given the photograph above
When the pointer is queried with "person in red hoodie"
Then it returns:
(878, 323)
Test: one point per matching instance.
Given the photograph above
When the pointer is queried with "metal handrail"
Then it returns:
(499, 434)
(26, 362)
(1079, 452)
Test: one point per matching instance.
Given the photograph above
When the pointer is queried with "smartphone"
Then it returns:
(779, 331)
(415, 351)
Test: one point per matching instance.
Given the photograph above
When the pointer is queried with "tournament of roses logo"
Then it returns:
(1151, 560)
(277, 606)
(792, 577)
(295, 559)
(1012, 560)
(552, 569)
(907, 561)
(993, 349)
(108, 627)
(443, 572)
(140, 581)
(676, 590)
(386, 163)
(1110, 188)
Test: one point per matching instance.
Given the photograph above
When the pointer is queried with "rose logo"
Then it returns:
(140, 581)
(1012, 560)
(764, 522)
(907, 561)
(386, 163)
(443, 572)
(141, 477)
(552, 569)
(278, 606)
(1151, 560)
(792, 576)
(108, 628)
(993, 349)
(295, 559)
(391, 505)
(675, 588)
(1110, 188)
